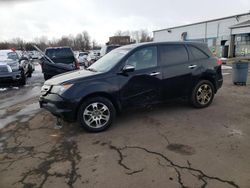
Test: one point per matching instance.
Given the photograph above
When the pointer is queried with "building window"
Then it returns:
(242, 45)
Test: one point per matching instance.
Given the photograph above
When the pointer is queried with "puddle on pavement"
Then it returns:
(181, 149)
(23, 115)
(34, 92)
(2, 112)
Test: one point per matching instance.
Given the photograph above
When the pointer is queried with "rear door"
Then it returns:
(142, 86)
(176, 70)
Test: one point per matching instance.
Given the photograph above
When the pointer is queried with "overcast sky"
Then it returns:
(29, 19)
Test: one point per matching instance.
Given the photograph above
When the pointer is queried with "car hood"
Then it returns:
(7, 62)
(70, 76)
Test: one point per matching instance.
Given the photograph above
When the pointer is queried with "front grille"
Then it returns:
(3, 69)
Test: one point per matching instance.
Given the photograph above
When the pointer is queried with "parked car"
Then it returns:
(133, 76)
(63, 60)
(93, 56)
(26, 61)
(82, 58)
(108, 48)
(13, 69)
(34, 54)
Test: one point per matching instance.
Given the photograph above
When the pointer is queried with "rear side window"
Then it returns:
(172, 54)
(197, 53)
(59, 53)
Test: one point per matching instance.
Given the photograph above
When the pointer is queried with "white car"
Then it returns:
(82, 58)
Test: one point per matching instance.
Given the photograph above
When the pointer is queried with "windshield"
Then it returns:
(5, 55)
(108, 61)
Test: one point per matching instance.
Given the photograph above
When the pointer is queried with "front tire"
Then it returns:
(202, 94)
(96, 114)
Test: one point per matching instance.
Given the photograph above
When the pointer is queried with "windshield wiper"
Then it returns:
(91, 69)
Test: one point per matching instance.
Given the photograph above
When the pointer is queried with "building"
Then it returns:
(226, 37)
(121, 40)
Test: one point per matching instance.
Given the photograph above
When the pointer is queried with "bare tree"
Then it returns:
(136, 35)
(86, 38)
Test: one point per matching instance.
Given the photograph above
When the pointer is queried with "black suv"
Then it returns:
(108, 48)
(63, 60)
(132, 76)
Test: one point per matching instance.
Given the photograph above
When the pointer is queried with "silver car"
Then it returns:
(10, 68)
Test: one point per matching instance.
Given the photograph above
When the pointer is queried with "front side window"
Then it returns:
(143, 58)
(172, 54)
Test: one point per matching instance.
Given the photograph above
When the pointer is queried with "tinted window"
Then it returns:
(143, 58)
(172, 54)
(197, 53)
(59, 53)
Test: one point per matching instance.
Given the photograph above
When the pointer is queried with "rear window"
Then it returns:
(172, 54)
(59, 53)
(197, 53)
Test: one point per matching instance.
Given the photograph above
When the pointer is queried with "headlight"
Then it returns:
(9, 68)
(60, 89)
(15, 67)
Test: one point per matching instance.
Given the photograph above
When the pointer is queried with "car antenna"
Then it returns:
(50, 60)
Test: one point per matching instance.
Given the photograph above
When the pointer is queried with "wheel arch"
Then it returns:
(115, 103)
(209, 78)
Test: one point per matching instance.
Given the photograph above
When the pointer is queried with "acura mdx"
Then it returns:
(131, 76)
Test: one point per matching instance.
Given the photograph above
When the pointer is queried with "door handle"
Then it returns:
(154, 73)
(192, 66)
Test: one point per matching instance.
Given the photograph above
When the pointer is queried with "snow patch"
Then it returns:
(3, 89)
(225, 67)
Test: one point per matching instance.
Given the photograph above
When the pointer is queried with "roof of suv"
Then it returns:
(201, 45)
(173, 42)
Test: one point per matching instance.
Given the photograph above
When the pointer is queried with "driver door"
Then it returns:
(142, 86)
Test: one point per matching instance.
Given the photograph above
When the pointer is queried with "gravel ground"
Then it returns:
(171, 145)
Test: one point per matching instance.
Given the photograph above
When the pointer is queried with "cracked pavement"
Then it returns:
(171, 145)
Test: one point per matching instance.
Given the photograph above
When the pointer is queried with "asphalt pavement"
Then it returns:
(170, 145)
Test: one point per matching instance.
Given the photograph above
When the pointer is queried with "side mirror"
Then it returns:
(128, 68)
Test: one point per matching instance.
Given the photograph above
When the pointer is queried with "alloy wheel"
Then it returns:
(96, 115)
(204, 94)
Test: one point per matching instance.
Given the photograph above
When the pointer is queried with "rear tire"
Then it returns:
(96, 114)
(30, 72)
(22, 81)
(202, 94)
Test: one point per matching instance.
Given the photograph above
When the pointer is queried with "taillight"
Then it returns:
(219, 62)
(77, 64)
